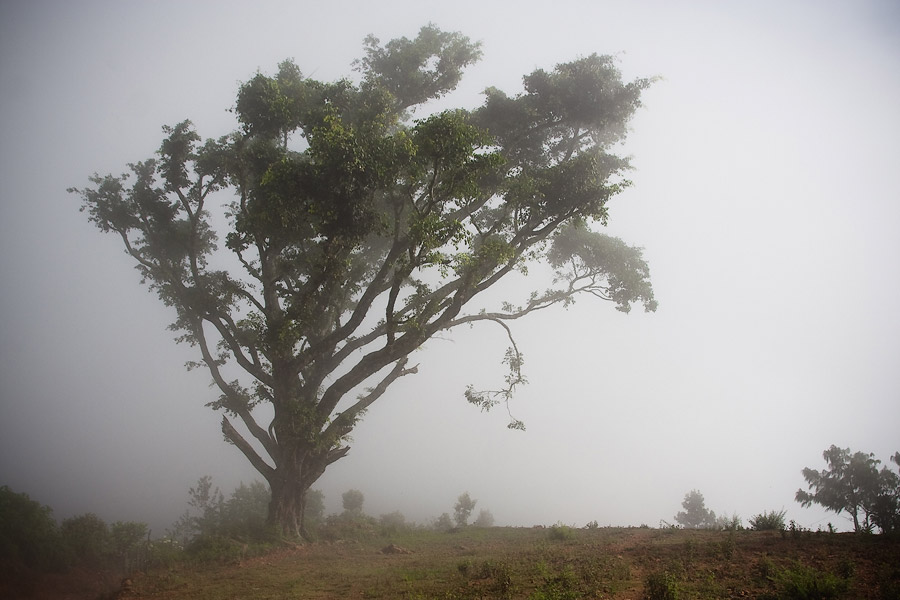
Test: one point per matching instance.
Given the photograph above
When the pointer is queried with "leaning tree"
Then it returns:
(308, 253)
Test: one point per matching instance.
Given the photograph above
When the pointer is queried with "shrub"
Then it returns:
(768, 521)
(392, 523)
(484, 519)
(86, 539)
(661, 585)
(806, 583)
(443, 523)
(732, 523)
(560, 532)
(129, 543)
(348, 526)
(28, 532)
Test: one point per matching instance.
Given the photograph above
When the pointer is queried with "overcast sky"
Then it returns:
(765, 195)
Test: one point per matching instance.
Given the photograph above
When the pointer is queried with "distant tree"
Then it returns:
(244, 513)
(853, 483)
(443, 522)
(128, 543)
(463, 509)
(885, 507)
(357, 234)
(209, 503)
(86, 538)
(28, 533)
(484, 519)
(392, 523)
(315, 507)
(353, 501)
(695, 514)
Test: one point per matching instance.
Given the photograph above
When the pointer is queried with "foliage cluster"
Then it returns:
(854, 484)
(29, 535)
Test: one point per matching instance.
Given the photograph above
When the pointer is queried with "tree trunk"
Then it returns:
(288, 502)
(289, 484)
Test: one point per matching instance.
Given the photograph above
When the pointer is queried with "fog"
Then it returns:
(765, 196)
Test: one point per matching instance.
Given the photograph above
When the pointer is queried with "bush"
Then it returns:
(560, 532)
(86, 539)
(347, 526)
(732, 523)
(392, 523)
(661, 585)
(484, 519)
(806, 583)
(443, 523)
(768, 521)
(28, 532)
(129, 542)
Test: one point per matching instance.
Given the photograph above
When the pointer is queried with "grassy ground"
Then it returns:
(555, 563)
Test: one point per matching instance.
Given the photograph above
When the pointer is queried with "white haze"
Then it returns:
(765, 195)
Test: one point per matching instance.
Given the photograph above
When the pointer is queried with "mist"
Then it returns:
(764, 195)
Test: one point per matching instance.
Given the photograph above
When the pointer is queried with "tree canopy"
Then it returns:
(308, 253)
(853, 483)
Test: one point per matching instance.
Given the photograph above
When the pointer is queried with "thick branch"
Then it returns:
(349, 415)
(236, 401)
(231, 434)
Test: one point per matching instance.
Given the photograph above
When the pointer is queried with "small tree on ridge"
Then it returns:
(695, 514)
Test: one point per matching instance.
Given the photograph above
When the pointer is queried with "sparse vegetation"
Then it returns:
(503, 562)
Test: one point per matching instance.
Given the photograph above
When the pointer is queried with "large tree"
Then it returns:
(853, 483)
(353, 233)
